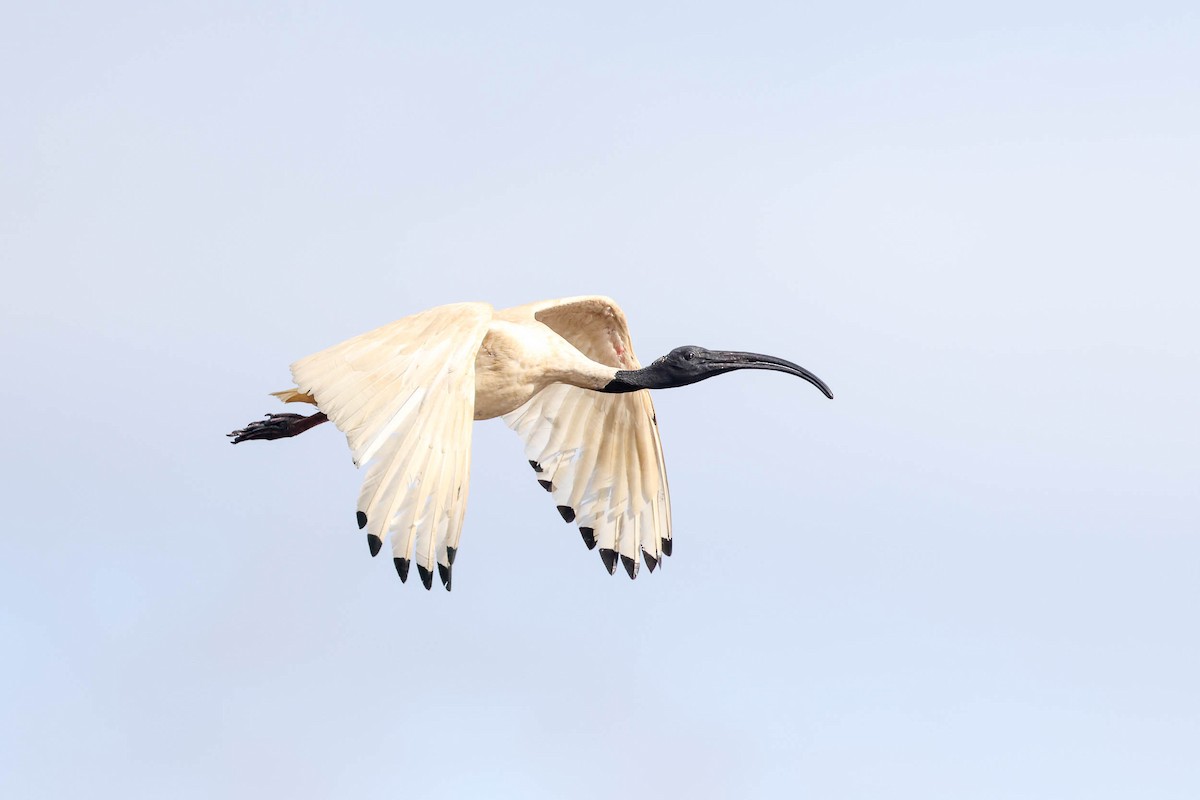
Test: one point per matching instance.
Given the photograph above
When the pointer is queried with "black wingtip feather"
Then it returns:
(589, 537)
(375, 543)
(536, 466)
(444, 574)
(547, 485)
(402, 565)
(666, 547)
(426, 576)
(568, 513)
(631, 566)
(609, 557)
(361, 518)
(451, 552)
(651, 561)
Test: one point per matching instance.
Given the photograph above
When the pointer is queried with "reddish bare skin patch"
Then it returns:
(618, 346)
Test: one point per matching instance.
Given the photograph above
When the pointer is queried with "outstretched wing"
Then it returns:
(404, 395)
(599, 454)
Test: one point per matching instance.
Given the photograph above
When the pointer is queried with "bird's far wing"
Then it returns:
(404, 395)
(599, 454)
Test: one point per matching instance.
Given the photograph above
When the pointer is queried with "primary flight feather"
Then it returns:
(561, 373)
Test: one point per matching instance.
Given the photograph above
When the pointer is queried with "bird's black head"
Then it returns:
(686, 365)
(690, 364)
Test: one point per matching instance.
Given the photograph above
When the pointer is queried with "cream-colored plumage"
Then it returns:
(599, 454)
(561, 373)
(405, 395)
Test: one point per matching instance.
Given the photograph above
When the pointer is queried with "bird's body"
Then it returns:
(562, 374)
(520, 356)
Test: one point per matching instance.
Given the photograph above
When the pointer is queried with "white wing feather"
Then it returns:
(404, 395)
(599, 454)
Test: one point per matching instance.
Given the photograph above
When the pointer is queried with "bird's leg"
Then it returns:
(278, 426)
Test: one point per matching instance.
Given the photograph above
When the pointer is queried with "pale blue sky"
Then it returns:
(975, 574)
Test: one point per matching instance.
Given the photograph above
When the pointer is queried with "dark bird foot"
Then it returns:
(277, 426)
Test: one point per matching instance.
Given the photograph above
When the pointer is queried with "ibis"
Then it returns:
(561, 373)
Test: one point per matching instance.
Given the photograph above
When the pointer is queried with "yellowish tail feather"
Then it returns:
(294, 396)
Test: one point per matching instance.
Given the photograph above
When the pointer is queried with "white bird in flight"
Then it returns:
(561, 373)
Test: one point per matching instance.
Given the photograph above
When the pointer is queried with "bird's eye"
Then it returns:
(689, 355)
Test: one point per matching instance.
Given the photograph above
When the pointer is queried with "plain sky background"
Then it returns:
(975, 574)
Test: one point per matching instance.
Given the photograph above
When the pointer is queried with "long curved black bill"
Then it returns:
(734, 360)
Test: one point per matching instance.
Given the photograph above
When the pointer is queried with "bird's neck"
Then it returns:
(628, 380)
(588, 374)
(601, 378)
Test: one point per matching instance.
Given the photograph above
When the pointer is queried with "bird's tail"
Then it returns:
(294, 396)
